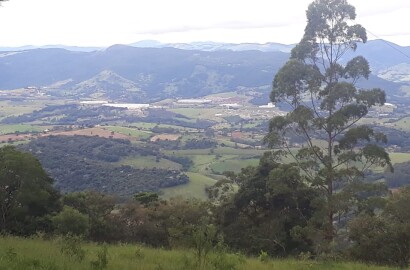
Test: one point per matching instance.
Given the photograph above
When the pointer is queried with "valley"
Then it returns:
(200, 138)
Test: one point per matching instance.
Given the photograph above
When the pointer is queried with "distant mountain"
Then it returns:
(398, 73)
(140, 73)
(146, 73)
(69, 48)
(382, 54)
(215, 46)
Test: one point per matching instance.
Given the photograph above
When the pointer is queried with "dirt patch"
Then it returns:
(165, 137)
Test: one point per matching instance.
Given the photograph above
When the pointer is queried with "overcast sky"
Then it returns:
(104, 22)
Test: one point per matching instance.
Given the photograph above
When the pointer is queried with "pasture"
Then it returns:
(195, 188)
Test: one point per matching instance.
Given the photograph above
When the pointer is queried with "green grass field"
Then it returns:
(203, 113)
(11, 129)
(402, 124)
(399, 157)
(194, 189)
(234, 165)
(9, 108)
(38, 254)
(140, 134)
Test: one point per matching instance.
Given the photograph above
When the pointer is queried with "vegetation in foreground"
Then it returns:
(36, 253)
(317, 207)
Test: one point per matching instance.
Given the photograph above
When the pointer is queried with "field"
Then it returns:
(8, 107)
(402, 124)
(11, 129)
(234, 165)
(165, 137)
(134, 132)
(38, 254)
(399, 157)
(195, 188)
(205, 113)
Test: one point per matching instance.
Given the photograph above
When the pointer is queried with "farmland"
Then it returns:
(181, 131)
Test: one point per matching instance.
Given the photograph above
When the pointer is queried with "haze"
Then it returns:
(103, 22)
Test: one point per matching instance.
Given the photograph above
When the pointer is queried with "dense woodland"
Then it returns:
(91, 163)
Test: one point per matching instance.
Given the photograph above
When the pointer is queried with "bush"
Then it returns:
(71, 221)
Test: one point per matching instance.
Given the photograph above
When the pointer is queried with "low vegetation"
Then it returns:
(36, 253)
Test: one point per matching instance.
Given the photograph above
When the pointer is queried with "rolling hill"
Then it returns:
(140, 73)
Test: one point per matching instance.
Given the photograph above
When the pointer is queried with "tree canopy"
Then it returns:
(326, 107)
(27, 194)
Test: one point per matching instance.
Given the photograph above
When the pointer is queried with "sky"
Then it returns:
(103, 23)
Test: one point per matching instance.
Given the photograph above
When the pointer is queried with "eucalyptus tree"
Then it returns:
(326, 107)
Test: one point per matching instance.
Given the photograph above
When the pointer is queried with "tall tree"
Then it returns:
(273, 208)
(326, 107)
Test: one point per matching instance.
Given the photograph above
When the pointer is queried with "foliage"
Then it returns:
(96, 208)
(199, 144)
(102, 259)
(165, 223)
(71, 247)
(273, 207)
(326, 105)
(146, 198)
(186, 162)
(400, 177)
(27, 195)
(71, 221)
(203, 238)
(90, 163)
(385, 238)
(38, 254)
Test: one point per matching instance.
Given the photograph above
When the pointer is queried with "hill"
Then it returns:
(144, 74)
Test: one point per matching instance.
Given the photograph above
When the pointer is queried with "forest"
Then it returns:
(92, 163)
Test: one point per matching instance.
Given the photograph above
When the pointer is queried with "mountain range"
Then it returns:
(149, 70)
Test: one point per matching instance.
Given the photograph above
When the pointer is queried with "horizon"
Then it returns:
(132, 44)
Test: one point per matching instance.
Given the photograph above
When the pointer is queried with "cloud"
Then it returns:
(222, 25)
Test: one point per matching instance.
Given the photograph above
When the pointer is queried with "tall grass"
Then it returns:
(35, 253)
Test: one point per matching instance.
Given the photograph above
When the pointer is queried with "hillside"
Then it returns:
(145, 74)
(160, 73)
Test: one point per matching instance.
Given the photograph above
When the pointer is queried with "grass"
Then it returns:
(140, 134)
(402, 124)
(399, 157)
(234, 165)
(11, 129)
(203, 113)
(195, 188)
(36, 254)
(9, 108)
